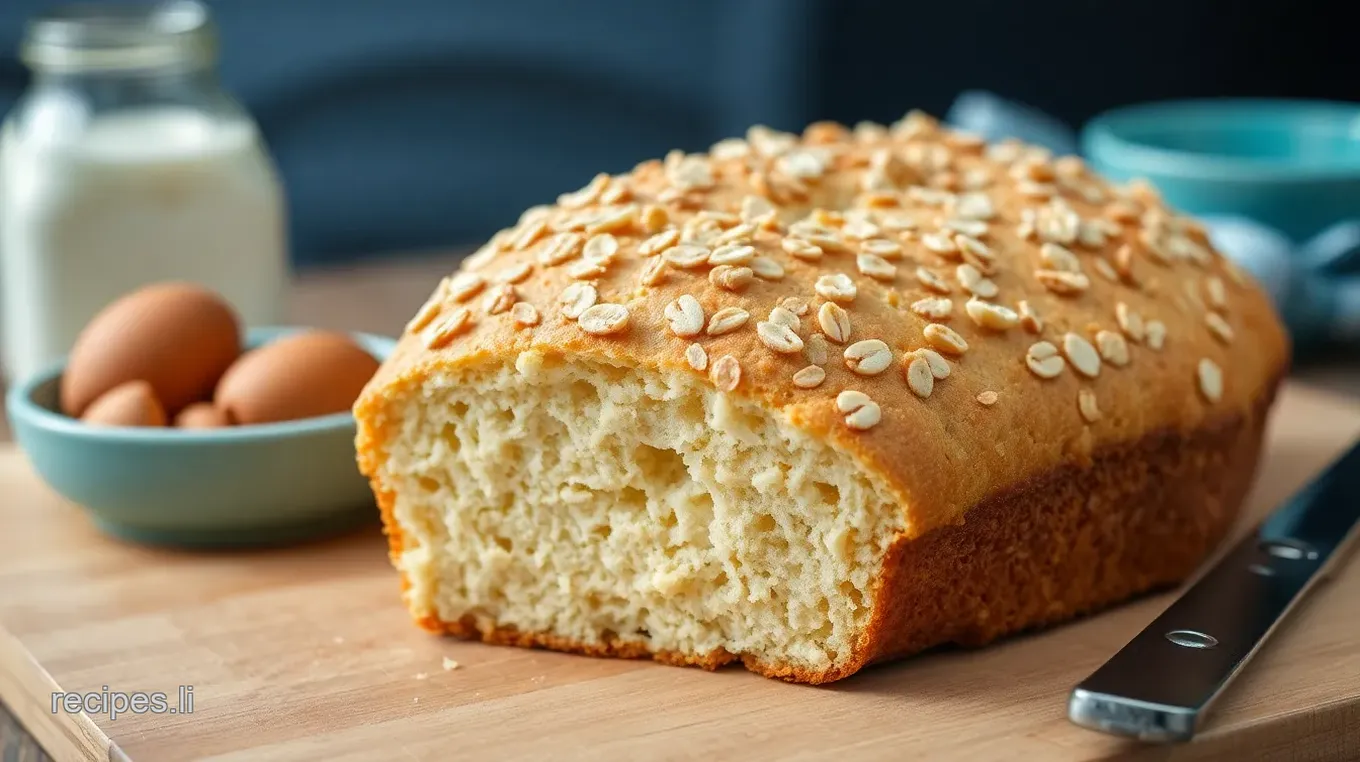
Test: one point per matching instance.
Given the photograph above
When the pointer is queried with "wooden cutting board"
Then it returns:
(306, 653)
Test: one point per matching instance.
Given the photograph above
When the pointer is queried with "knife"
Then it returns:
(1161, 685)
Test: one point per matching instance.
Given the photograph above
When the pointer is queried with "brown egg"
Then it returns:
(132, 403)
(201, 415)
(178, 337)
(300, 376)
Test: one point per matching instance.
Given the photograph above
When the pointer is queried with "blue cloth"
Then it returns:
(1315, 283)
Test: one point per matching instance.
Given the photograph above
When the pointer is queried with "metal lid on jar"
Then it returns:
(120, 37)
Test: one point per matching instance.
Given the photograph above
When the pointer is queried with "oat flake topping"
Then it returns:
(858, 242)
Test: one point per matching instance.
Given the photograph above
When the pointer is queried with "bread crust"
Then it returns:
(992, 461)
(1136, 518)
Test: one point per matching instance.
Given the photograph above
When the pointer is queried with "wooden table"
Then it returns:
(307, 652)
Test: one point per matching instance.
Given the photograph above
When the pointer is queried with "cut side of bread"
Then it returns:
(621, 509)
(814, 401)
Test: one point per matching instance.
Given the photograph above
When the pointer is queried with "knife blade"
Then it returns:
(1161, 685)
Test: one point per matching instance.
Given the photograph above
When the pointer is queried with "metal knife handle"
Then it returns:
(1160, 685)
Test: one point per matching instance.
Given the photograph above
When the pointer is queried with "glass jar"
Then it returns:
(124, 164)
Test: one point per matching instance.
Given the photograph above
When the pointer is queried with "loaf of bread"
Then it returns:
(815, 401)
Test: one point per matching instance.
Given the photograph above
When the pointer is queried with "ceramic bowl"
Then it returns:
(248, 485)
(1291, 164)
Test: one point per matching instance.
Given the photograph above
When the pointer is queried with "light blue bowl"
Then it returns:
(1293, 165)
(248, 485)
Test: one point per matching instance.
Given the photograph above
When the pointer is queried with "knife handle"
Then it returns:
(1160, 686)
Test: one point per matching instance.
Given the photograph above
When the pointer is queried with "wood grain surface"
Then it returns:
(306, 653)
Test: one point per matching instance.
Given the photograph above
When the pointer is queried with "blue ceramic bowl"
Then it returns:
(1293, 165)
(248, 485)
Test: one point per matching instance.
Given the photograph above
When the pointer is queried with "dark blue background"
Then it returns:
(414, 124)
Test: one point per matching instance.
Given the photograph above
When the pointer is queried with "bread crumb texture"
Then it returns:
(706, 410)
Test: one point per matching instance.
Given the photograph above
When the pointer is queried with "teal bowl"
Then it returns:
(248, 485)
(1291, 164)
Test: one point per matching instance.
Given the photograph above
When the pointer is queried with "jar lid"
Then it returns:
(93, 36)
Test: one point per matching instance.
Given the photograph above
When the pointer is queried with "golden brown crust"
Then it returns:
(1080, 538)
(612, 647)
